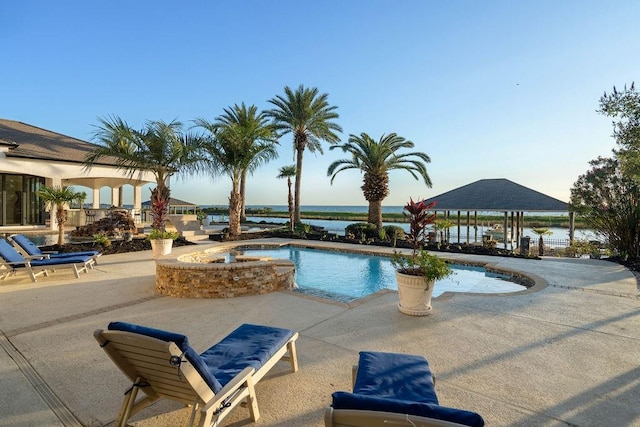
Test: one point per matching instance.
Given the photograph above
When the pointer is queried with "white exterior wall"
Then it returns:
(67, 173)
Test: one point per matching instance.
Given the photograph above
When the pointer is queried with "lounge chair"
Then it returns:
(394, 389)
(12, 260)
(161, 364)
(31, 249)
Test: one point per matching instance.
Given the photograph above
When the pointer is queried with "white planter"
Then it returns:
(161, 247)
(415, 294)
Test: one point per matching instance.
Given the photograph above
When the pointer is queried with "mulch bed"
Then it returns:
(116, 247)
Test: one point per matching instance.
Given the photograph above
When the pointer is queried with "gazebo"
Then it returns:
(498, 195)
(176, 207)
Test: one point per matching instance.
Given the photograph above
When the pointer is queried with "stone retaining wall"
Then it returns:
(220, 280)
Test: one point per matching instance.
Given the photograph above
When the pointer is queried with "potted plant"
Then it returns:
(417, 272)
(161, 239)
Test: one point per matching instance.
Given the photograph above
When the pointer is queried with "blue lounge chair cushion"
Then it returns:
(404, 377)
(72, 254)
(180, 340)
(46, 262)
(33, 250)
(12, 256)
(9, 254)
(249, 345)
(345, 400)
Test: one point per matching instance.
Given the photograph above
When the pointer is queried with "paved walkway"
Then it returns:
(567, 355)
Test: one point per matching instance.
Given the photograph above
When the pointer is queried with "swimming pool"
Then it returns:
(346, 276)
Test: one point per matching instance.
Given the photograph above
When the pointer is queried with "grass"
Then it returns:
(530, 221)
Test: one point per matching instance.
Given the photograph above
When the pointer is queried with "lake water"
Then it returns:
(364, 209)
(338, 227)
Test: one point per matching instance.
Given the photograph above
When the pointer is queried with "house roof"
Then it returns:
(497, 195)
(172, 202)
(27, 141)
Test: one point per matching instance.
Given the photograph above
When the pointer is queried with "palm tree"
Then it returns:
(160, 148)
(240, 141)
(376, 159)
(444, 225)
(308, 116)
(542, 231)
(58, 198)
(288, 172)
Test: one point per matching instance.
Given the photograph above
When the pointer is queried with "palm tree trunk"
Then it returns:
(243, 193)
(540, 245)
(61, 220)
(235, 207)
(375, 213)
(296, 215)
(291, 206)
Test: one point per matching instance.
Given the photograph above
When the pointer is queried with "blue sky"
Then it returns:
(491, 89)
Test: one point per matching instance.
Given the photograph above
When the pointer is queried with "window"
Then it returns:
(20, 204)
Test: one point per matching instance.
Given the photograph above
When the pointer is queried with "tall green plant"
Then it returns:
(375, 159)
(609, 202)
(160, 148)
(288, 172)
(240, 140)
(58, 198)
(307, 115)
(541, 232)
(624, 107)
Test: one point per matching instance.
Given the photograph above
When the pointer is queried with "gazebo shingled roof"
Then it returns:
(172, 202)
(496, 195)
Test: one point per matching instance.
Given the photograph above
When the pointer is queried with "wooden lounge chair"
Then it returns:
(12, 260)
(391, 389)
(162, 365)
(30, 249)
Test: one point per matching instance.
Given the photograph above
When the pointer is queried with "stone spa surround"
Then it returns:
(210, 275)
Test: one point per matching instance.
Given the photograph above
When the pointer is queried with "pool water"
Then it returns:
(345, 276)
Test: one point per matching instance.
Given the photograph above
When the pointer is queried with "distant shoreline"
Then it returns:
(531, 221)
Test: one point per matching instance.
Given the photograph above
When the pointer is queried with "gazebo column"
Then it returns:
(505, 228)
(96, 199)
(115, 196)
(512, 227)
(475, 226)
(468, 225)
(137, 197)
(518, 227)
(459, 227)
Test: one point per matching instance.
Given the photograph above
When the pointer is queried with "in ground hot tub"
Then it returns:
(218, 275)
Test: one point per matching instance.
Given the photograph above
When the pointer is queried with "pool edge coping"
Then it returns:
(538, 283)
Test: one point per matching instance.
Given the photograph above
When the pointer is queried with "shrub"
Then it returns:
(393, 233)
(102, 239)
(362, 230)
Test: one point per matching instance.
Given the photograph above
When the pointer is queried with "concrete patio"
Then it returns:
(567, 355)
